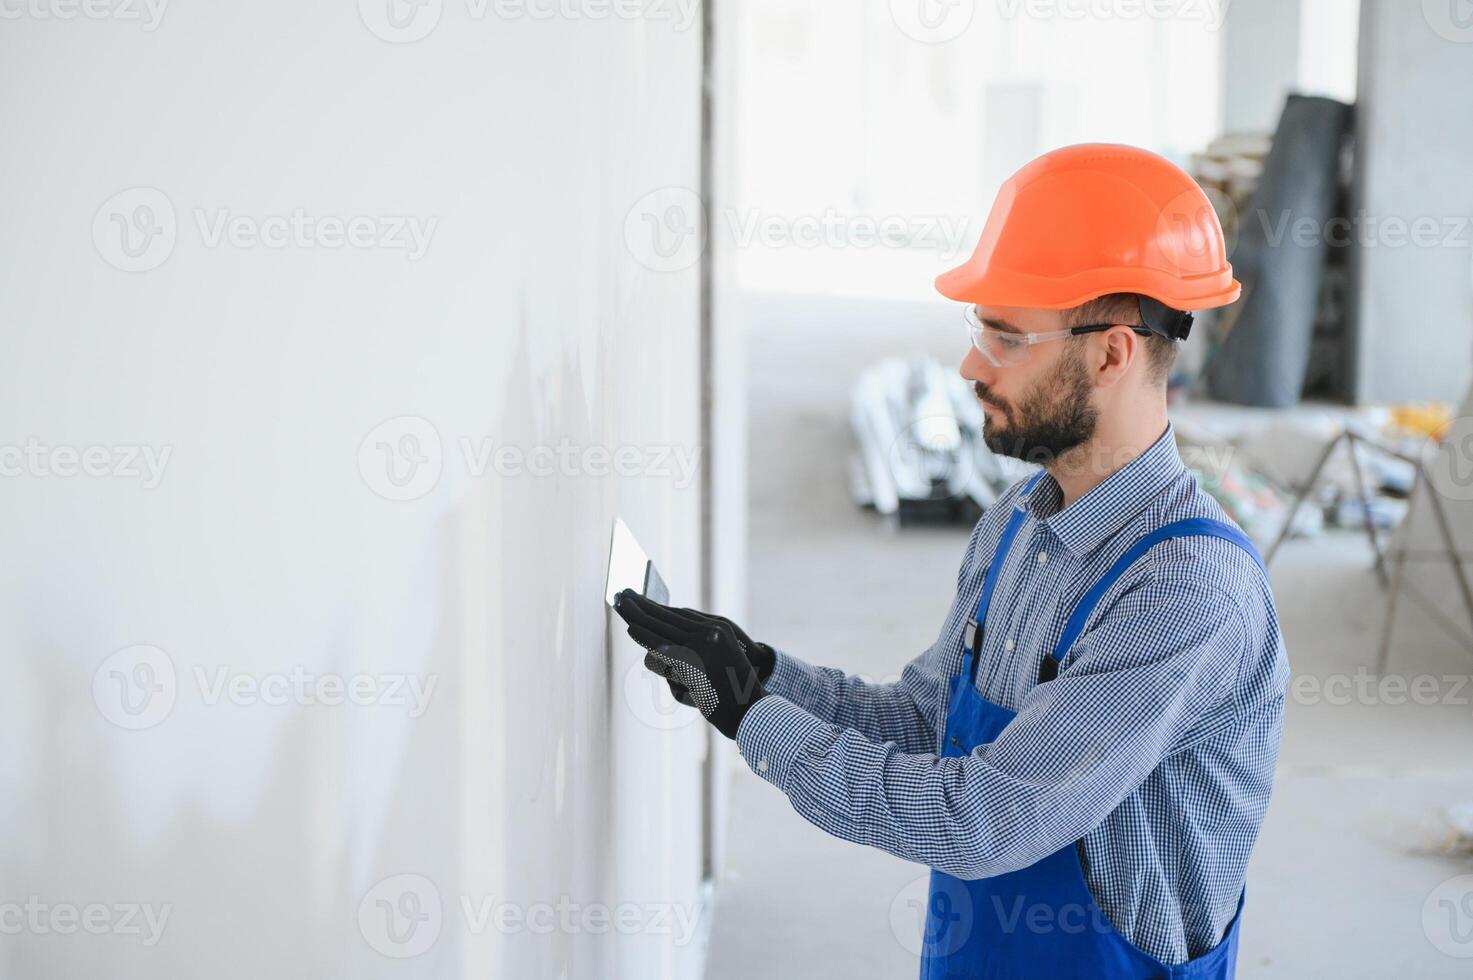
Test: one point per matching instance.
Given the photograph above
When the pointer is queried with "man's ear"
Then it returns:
(1118, 349)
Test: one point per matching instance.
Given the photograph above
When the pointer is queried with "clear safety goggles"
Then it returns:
(1003, 348)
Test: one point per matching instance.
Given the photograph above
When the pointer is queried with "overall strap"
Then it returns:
(1206, 527)
(972, 635)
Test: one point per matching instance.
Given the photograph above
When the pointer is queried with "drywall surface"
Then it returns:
(1413, 203)
(334, 338)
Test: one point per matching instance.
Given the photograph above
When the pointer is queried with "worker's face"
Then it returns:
(1039, 408)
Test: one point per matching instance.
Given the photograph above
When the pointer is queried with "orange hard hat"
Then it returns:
(1097, 218)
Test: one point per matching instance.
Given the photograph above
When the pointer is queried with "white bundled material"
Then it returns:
(920, 450)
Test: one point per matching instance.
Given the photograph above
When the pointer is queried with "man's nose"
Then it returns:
(975, 367)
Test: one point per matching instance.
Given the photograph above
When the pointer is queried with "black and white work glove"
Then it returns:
(709, 662)
(678, 621)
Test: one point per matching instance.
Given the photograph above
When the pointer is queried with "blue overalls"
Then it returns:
(989, 929)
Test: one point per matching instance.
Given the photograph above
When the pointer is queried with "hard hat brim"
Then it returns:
(1001, 287)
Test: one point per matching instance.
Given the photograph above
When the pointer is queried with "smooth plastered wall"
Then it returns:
(334, 339)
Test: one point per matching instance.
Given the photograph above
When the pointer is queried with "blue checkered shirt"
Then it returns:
(1153, 749)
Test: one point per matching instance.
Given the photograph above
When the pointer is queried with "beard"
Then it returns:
(1055, 417)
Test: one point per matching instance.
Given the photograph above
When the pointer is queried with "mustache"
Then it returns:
(985, 394)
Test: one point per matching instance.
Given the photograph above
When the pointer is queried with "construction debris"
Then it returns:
(1254, 463)
(920, 456)
(921, 459)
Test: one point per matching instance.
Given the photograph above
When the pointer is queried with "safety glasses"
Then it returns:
(1004, 349)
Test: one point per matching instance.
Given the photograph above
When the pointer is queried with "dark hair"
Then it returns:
(1125, 308)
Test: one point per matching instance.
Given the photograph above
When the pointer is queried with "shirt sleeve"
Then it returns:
(905, 711)
(1156, 673)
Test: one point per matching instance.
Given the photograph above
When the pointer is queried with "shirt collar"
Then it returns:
(1095, 517)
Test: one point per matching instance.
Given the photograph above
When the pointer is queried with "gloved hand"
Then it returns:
(675, 622)
(705, 658)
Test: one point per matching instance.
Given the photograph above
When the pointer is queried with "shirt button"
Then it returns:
(1009, 645)
(761, 765)
(1042, 557)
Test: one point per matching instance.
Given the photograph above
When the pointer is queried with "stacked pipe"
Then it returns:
(920, 456)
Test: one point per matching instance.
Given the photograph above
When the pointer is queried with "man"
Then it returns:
(1085, 754)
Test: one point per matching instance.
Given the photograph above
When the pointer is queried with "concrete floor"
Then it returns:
(1346, 864)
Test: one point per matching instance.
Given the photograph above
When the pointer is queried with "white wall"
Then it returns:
(1415, 151)
(534, 775)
